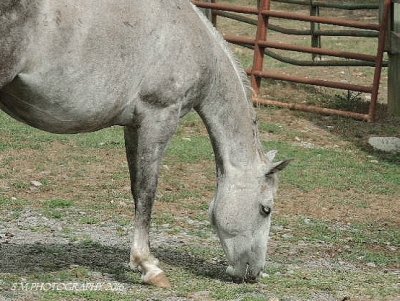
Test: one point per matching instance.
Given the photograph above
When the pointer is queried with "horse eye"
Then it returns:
(266, 210)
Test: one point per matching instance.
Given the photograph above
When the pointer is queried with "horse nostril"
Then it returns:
(251, 278)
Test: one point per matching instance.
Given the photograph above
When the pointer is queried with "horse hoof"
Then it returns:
(160, 280)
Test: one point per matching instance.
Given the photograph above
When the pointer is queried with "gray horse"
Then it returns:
(71, 66)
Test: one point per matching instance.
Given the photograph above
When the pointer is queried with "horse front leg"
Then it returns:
(145, 146)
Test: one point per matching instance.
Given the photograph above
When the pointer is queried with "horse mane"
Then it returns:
(241, 74)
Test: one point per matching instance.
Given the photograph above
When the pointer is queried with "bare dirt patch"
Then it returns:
(339, 206)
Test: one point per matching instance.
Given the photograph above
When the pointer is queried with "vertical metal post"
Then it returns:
(315, 39)
(210, 14)
(379, 58)
(394, 61)
(213, 16)
(258, 60)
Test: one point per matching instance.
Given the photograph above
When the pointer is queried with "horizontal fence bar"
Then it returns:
(315, 50)
(323, 20)
(309, 81)
(285, 15)
(345, 6)
(310, 108)
(227, 7)
(347, 33)
(320, 63)
(289, 31)
(352, 33)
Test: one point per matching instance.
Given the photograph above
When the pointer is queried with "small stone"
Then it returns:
(385, 144)
(36, 183)
(371, 265)
(264, 275)
(277, 228)
(122, 204)
(74, 266)
(203, 296)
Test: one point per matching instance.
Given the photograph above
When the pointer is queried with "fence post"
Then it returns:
(259, 50)
(209, 14)
(315, 39)
(394, 60)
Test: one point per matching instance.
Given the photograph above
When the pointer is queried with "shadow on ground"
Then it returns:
(31, 259)
(358, 132)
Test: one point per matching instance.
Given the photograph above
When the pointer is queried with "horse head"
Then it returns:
(241, 215)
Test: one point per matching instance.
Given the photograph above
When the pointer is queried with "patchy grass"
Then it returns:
(335, 230)
(341, 170)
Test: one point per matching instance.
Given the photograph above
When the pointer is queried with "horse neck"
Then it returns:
(232, 126)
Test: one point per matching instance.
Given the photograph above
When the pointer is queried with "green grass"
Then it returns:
(357, 243)
(338, 282)
(357, 255)
(89, 220)
(16, 135)
(339, 170)
(190, 150)
(59, 203)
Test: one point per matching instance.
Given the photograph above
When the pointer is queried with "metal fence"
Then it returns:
(262, 46)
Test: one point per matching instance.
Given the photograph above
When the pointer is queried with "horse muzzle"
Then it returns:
(246, 274)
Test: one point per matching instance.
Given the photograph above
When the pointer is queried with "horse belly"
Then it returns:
(63, 109)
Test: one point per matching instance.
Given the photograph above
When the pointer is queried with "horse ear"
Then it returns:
(278, 166)
(271, 155)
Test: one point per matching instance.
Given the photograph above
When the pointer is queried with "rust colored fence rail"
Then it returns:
(348, 6)
(315, 32)
(260, 43)
(280, 29)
